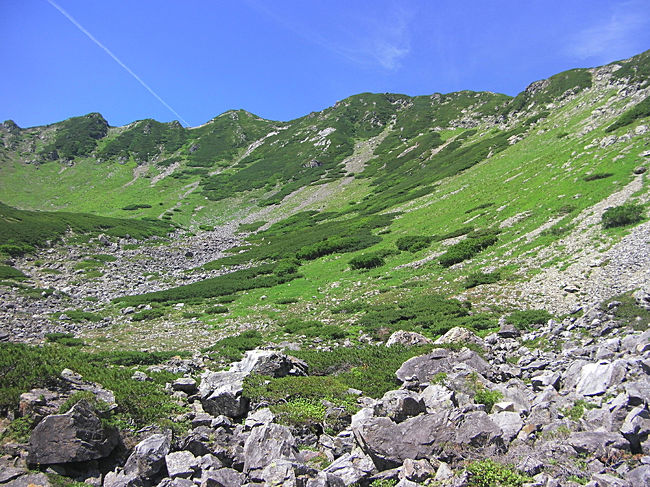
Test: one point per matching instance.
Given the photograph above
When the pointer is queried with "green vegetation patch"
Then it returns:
(637, 112)
(620, 216)
(23, 367)
(256, 277)
(22, 230)
(8, 272)
(231, 349)
(413, 243)
(525, 319)
(468, 248)
(431, 315)
(628, 311)
(76, 136)
(478, 278)
(368, 368)
(488, 473)
(136, 206)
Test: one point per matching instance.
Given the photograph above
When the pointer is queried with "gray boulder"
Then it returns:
(423, 367)
(287, 473)
(400, 404)
(181, 464)
(325, 480)
(509, 422)
(76, 436)
(597, 443)
(636, 428)
(389, 443)
(477, 430)
(185, 384)
(438, 397)
(407, 339)
(224, 477)
(596, 378)
(351, 467)
(29, 480)
(269, 362)
(221, 393)
(459, 334)
(416, 470)
(267, 443)
(639, 475)
(148, 456)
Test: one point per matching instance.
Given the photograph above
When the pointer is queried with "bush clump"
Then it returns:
(488, 473)
(231, 349)
(620, 216)
(524, 319)
(366, 261)
(466, 249)
(478, 278)
(413, 243)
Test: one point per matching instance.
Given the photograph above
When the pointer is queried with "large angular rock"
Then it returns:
(597, 443)
(459, 334)
(351, 467)
(407, 339)
(437, 397)
(148, 456)
(76, 436)
(269, 362)
(477, 430)
(423, 367)
(181, 464)
(509, 422)
(29, 480)
(325, 480)
(401, 404)
(221, 393)
(389, 443)
(596, 378)
(224, 477)
(287, 473)
(636, 428)
(267, 443)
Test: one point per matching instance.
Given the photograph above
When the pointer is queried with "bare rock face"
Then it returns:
(75, 436)
(267, 443)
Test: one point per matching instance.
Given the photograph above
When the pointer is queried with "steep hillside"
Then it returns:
(468, 271)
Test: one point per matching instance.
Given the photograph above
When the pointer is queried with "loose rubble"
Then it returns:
(575, 409)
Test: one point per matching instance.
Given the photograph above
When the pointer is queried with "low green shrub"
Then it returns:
(136, 207)
(524, 319)
(478, 278)
(620, 216)
(213, 310)
(466, 249)
(24, 367)
(413, 243)
(66, 339)
(8, 272)
(147, 314)
(488, 473)
(232, 348)
(366, 261)
(597, 176)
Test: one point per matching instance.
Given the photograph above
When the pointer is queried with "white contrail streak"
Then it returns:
(116, 59)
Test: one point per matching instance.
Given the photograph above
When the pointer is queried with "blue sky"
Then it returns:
(280, 59)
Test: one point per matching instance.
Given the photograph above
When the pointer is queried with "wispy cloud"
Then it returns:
(115, 58)
(382, 39)
(614, 36)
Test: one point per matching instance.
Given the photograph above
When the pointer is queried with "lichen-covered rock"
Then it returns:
(264, 444)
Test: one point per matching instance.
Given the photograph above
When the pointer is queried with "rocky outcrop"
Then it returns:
(76, 436)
